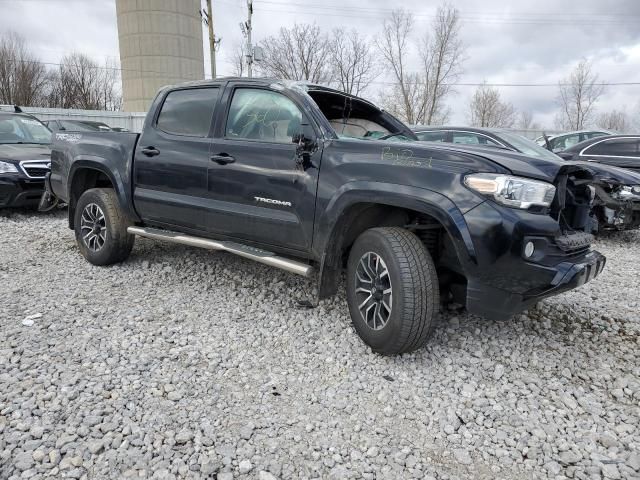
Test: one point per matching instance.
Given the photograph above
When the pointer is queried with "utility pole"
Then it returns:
(249, 46)
(212, 39)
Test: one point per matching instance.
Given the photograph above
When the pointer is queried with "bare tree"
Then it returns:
(109, 86)
(488, 110)
(298, 53)
(403, 97)
(80, 82)
(352, 63)
(577, 97)
(419, 96)
(238, 59)
(525, 120)
(23, 79)
(442, 58)
(614, 120)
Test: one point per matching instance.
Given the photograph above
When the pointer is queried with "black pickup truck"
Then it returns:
(316, 182)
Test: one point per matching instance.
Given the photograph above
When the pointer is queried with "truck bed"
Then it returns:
(113, 151)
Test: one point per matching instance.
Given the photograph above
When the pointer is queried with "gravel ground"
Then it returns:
(183, 363)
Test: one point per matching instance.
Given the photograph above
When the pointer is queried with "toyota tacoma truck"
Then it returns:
(318, 182)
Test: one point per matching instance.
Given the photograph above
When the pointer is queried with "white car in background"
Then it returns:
(562, 141)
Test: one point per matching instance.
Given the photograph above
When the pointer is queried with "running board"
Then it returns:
(262, 256)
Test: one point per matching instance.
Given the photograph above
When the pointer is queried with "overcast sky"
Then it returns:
(506, 41)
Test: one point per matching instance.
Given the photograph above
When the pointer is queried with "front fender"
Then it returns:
(421, 200)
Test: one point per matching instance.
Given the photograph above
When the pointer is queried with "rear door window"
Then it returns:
(436, 136)
(188, 112)
(469, 138)
(590, 135)
(562, 143)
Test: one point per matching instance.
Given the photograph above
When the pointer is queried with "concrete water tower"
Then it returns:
(160, 44)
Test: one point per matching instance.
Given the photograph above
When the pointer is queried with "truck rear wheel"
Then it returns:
(101, 228)
(392, 290)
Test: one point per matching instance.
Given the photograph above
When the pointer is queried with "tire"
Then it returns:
(112, 244)
(414, 298)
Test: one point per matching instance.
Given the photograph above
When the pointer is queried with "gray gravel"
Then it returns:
(182, 363)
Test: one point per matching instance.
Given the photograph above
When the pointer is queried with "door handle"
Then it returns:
(150, 151)
(222, 159)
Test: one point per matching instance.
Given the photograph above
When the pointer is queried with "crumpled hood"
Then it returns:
(15, 153)
(517, 163)
(610, 174)
(546, 169)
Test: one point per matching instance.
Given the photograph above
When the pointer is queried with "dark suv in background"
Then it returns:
(621, 151)
(25, 158)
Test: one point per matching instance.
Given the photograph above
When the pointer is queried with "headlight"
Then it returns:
(517, 192)
(8, 168)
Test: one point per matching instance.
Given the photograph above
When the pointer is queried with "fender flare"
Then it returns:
(90, 162)
(422, 200)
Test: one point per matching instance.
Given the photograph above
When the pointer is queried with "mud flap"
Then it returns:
(47, 202)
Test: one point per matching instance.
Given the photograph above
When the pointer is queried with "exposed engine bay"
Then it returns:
(589, 202)
(573, 201)
(616, 206)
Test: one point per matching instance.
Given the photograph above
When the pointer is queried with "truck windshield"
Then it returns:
(353, 117)
(23, 129)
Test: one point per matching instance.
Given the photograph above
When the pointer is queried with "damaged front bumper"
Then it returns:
(495, 303)
(523, 257)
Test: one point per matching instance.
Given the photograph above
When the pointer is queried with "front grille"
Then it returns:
(35, 168)
(571, 242)
(561, 249)
(550, 251)
(36, 171)
(577, 252)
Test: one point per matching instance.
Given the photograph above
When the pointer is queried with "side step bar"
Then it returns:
(262, 256)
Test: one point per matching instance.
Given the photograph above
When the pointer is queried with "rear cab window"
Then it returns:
(188, 112)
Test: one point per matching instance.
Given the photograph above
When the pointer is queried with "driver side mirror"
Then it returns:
(305, 138)
(306, 145)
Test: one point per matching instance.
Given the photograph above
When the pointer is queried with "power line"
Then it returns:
(98, 67)
(477, 18)
(470, 84)
(453, 84)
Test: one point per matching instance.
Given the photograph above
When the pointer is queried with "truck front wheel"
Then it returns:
(101, 228)
(392, 290)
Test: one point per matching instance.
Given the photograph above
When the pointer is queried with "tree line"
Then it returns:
(418, 93)
(413, 77)
(76, 82)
